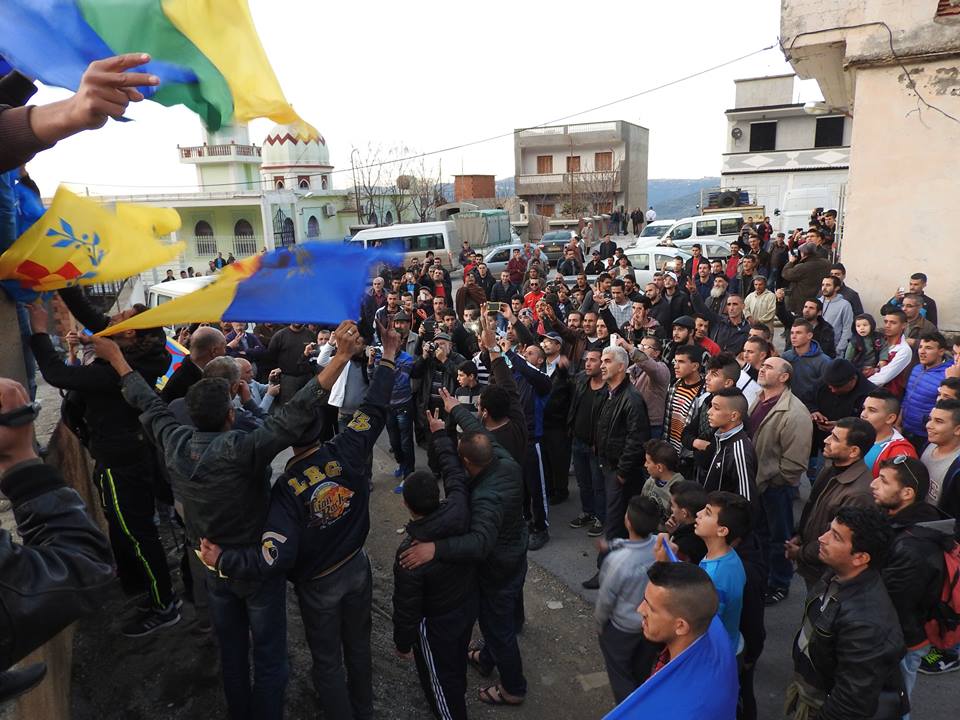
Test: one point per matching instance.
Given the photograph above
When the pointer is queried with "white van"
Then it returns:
(415, 239)
(722, 227)
(166, 291)
(800, 202)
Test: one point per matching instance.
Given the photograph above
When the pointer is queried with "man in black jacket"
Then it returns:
(846, 655)
(435, 605)
(913, 574)
(622, 429)
(221, 478)
(125, 471)
(60, 571)
(734, 464)
(497, 541)
(206, 343)
(556, 431)
(730, 329)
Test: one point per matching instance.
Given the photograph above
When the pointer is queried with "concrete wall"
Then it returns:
(757, 92)
(635, 167)
(793, 132)
(528, 157)
(902, 193)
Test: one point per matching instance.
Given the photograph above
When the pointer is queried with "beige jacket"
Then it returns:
(762, 308)
(783, 442)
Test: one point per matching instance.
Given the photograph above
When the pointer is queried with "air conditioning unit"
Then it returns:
(329, 210)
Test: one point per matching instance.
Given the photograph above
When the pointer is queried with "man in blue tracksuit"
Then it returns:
(316, 526)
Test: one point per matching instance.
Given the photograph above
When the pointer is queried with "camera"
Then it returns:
(431, 347)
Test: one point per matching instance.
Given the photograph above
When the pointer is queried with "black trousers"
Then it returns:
(629, 658)
(535, 487)
(127, 496)
(441, 655)
(557, 446)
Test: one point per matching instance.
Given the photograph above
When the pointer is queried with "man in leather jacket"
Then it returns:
(622, 429)
(63, 566)
(846, 656)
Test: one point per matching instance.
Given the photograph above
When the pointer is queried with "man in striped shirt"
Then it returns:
(680, 402)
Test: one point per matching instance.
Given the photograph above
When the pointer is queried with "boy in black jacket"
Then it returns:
(435, 605)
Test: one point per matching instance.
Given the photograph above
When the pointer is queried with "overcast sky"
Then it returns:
(429, 75)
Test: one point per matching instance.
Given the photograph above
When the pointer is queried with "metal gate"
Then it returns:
(283, 234)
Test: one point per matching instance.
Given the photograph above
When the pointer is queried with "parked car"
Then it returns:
(646, 261)
(553, 242)
(711, 248)
(657, 229)
(723, 227)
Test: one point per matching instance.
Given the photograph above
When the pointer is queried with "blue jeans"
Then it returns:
(236, 616)
(400, 432)
(586, 468)
(778, 506)
(908, 667)
(336, 610)
(498, 623)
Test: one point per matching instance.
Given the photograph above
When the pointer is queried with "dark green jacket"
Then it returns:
(497, 538)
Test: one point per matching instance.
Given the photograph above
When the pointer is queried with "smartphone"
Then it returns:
(613, 340)
(496, 307)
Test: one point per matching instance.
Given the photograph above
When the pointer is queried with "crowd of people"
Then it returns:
(689, 435)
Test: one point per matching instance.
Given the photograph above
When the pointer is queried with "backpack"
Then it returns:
(943, 627)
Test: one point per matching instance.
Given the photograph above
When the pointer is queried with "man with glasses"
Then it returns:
(917, 324)
(534, 296)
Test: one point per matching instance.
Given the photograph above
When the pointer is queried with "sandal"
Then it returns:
(473, 657)
(494, 695)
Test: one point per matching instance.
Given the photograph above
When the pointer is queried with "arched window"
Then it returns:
(244, 243)
(313, 227)
(388, 219)
(303, 182)
(373, 219)
(323, 182)
(288, 235)
(204, 239)
(278, 183)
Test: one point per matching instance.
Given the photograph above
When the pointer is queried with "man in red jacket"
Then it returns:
(881, 408)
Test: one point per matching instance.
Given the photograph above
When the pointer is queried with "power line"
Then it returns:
(471, 143)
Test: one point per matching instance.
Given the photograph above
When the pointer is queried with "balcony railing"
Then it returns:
(231, 150)
(609, 177)
(569, 129)
(207, 246)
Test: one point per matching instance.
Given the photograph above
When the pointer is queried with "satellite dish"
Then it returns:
(736, 133)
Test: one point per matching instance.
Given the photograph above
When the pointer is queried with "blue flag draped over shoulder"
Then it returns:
(49, 40)
(700, 684)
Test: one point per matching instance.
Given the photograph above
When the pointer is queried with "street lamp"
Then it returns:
(356, 190)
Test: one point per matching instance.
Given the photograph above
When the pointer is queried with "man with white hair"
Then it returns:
(622, 428)
(263, 394)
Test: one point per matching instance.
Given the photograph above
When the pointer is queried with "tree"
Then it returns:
(426, 192)
(379, 175)
(598, 188)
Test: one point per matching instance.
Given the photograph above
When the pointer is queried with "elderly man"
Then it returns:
(917, 324)
(622, 428)
(760, 306)
(781, 428)
(263, 394)
(206, 343)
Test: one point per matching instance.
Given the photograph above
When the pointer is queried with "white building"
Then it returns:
(569, 170)
(787, 159)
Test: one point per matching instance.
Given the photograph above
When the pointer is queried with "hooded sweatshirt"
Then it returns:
(808, 370)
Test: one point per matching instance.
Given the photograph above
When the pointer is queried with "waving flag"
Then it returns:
(315, 282)
(206, 52)
(79, 242)
(700, 683)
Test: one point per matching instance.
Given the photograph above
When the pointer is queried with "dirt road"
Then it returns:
(174, 673)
